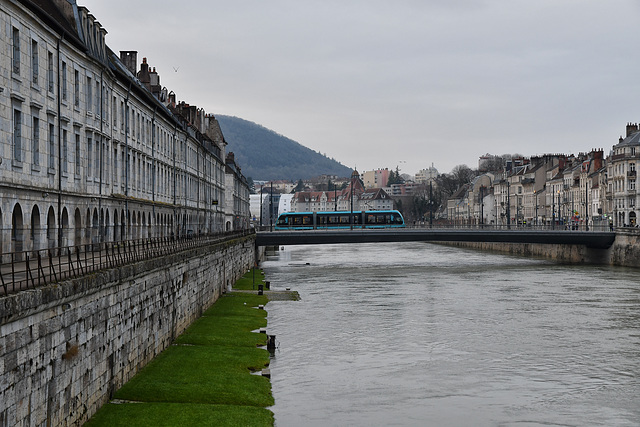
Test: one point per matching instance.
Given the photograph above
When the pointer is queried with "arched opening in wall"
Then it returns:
(123, 226)
(101, 229)
(65, 227)
(149, 229)
(632, 219)
(228, 226)
(17, 230)
(36, 230)
(201, 225)
(116, 226)
(107, 233)
(51, 228)
(1, 235)
(172, 232)
(88, 227)
(159, 231)
(128, 235)
(77, 228)
(95, 227)
(138, 226)
(143, 227)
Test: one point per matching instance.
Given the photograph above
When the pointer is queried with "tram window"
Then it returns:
(334, 219)
(297, 220)
(306, 220)
(344, 219)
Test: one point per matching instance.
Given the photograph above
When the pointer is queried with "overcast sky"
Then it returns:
(408, 83)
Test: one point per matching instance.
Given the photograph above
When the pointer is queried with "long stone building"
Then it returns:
(93, 148)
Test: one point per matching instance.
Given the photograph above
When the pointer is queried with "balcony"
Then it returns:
(631, 173)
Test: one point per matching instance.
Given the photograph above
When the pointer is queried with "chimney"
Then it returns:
(631, 128)
(130, 60)
(143, 74)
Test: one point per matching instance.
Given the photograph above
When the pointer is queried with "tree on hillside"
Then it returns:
(395, 178)
(299, 187)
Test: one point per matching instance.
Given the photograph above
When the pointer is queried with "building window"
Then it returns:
(97, 104)
(34, 62)
(35, 140)
(89, 156)
(17, 135)
(76, 88)
(89, 94)
(52, 146)
(96, 159)
(63, 77)
(65, 152)
(114, 113)
(632, 184)
(16, 51)
(77, 156)
(50, 72)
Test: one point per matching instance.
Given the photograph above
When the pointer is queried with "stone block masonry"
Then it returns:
(66, 348)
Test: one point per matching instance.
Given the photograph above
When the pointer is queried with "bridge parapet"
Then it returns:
(590, 239)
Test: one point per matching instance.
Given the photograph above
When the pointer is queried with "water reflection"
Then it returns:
(419, 334)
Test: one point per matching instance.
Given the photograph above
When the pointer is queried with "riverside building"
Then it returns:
(94, 149)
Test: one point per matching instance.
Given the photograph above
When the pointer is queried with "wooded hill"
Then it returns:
(264, 155)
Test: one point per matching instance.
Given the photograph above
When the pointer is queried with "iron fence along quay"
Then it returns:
(31, 269)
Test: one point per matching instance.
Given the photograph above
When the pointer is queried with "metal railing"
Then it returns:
(30, 269)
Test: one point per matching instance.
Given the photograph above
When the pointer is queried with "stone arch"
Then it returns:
(17, 229)
(95, 225)
(227, 226)
(1, 235)
(64, 227)
(116, 226)
(143, 226)
(101, 228)
(149, 228)
(107, 233)
(633, 221)
(123, 225)
(77, 228)
(51, 228)
(36, 229)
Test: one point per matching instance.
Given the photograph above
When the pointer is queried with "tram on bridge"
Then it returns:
(340, 219)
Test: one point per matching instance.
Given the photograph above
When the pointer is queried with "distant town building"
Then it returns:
(376, 178)
(426, 175)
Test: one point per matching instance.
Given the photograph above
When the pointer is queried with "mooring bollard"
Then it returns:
(260, 290)
(267, 285)
(271, 342)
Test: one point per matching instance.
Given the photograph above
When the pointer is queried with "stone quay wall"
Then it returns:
(65, 348)
(624, 252)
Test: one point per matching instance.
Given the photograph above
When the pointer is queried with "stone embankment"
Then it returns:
(625, 251)
(65, 348)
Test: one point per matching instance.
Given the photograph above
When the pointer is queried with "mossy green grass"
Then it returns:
(250, 280)
(181, 414)
(204, 378)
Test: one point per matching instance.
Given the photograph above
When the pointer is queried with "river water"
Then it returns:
(417, 334)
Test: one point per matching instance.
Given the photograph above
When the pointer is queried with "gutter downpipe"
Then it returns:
(58, 42)
(175, 180)
(100, 214)
(153, 173)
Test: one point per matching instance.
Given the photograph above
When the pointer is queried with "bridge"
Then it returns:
(590, 239)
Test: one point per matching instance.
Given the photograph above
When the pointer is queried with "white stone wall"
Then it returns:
(66, 348)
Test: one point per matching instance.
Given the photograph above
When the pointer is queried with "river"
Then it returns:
(417, 334)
